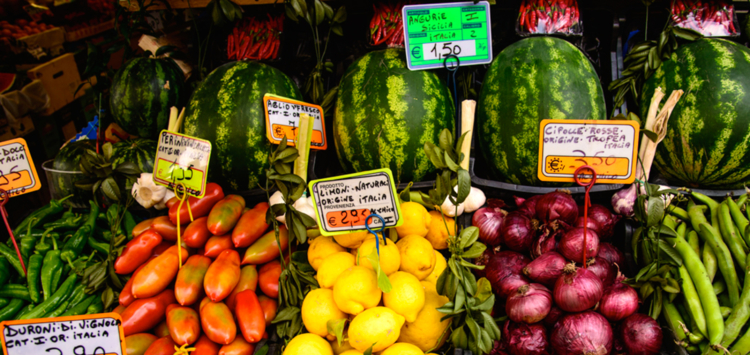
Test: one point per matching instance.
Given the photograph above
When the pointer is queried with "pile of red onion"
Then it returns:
(560, 284)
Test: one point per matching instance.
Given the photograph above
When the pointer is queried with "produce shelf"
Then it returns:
(195, 4)
(89, 31)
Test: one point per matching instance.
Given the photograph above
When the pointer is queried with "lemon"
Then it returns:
(390, 259)
(402, 349)
(308, 344)
(380, 326)
(406, 297)
(320, 248)
(351, 352)
(426, 330)
(317, 309)
(343, 348)
(416, 220)
(332, 267)
(440, 265)
(352, 240)
(356, 290)
(437, 233)
(417, 256)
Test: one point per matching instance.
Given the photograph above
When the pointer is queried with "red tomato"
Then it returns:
(218, 323)
(268, 278)
(222, 276)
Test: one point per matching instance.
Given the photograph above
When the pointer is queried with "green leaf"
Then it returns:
(404, 194)
(645, 270)
(300, 8)
(464, 185)
(686, 34)
(369, 350)
(670, 252)
(634, 117)
(328, 11)
(107, 150)
(340, 15)
(655, 211)
(336, 327)
(383, 282)
(320, 12)
(646, 290)
(474, 251)
(484, 289)
(128, 168)
(110, 189)
(468, 236)
(337, 30)
(449, 162)
(446, 139)
(433, 153)
(460, 300)
(286, 314)
(290, 12)
(650, 134)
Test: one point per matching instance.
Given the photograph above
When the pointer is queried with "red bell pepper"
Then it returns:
(217, 244)
(137, 251)
(197, 233)
(222, 276)
(218, 323)
(248, 281)
(250, 318)
(162, 346)
(199, 206)
(188, 286)
(184, 325)
(268, 278)
(137, 344)
(225, 214)
(238, 347)
(205, 346)
(158, 273)
(251, 226)
(144, 314)
(266, 249)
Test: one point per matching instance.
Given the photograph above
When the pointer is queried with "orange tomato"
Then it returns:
(266, 249)
(238, 347)
(188, 286)
(205, 346)
(268, 279)
(248, 281)
(196, 233)
(184, 325)
(222, 276)
(162, 346)
(269, 306)
(216, 244)
(137, 344)
(218, 323)
(158, 273)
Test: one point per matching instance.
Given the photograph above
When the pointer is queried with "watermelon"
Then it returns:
(227, 110)
(708, 134)
(70, 155)
(386, 112)
(142, 93)
(140, 151)
(533, 79)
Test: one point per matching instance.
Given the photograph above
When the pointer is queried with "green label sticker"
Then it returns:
(182, 159)
(435, 31)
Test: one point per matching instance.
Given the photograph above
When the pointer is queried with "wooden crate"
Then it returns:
(49, 42)
(60, 78)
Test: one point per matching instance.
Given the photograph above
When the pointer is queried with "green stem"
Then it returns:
(646, 30)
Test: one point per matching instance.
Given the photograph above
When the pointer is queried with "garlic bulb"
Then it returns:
(305, 205)
(277, 199)
(475, 200)
(163, 203)
(449, 209)
(146, 192)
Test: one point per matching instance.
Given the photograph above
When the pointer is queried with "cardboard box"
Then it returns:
(21, 128)
(61, 79)
(48, 42)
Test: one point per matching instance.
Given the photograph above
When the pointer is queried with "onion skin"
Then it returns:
(602, 268)
(525, 339)
(510, 284)
(502, 264)
(605, 218)
(590, 222)
(553, 316)
(618, 302)
(528, 206)
(577, 290)
(571, 244)
(586, 333)
(529, 304)
(610, 253)
(489, 220)
(558, 205)
(546, 269)
(640, 335)
(623, 201)
(517, 232)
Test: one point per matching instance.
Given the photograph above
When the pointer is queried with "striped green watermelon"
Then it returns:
(142, 93)
(708, 136)
(386, 112)
(533, 79)
(69, 156)
(140, 151)
(227, 110)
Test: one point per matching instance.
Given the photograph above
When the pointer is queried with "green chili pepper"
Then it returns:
(81, 307)
(32, 276)
(27, 244)
(15, 291)
(42, 247)
(95, 307)
(57, 311)
(77, 296)
(9, 312)
(4, 302)
(67, 223)
(128, 223)
(99, 247)
(24, 311)
(74, 246)
(12, 257)
(53, 302)
(34, 219)
(34, 233)
(51, 264)
(4, 270)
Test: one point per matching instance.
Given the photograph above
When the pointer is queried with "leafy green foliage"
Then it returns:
(102, 179)
(452, 181)
(224, 12)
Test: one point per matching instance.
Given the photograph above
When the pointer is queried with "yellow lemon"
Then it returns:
(317, 309)
(406, 297)
(426, 330)
(440, 265)
(390, 259)
(437, 233)
(308, 344)
(380, 326)
(320, 248)
(340, 349)
(351, 352)
(356, 290)
(352, 240)
(417, 256)
(332, 267)
(402, 349)
(416, 220)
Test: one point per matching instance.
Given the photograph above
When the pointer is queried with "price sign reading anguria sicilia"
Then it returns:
(342, 203)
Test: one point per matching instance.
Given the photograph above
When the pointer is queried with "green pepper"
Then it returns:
(64, 224)
(12, 257)
(43, 247)
(57, 311)
(81, 307)
(27, 244)
(34, 233)
(15, 291)
(4, 302)
(9, 312)
(99, 247)
(77, 296)
(4, 270)
(53, 302)
(74, 246)
(51, 265)
(95, 307)
(128, 223)
(24, 310)
(32, 276)
(34, 219)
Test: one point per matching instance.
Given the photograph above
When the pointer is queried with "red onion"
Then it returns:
(602, 268)
(546, 268)
(529, 304)
(640, 335)
(510, 284)
(557, 205)
(553, 316)
(610, 253)
(517, 231)
(498, 349)
(483, 259)
(545, 242)
(525, 339)
(571, 244)
(604, 218)
(618, 301)
(577, 290)
(489, 220)
(586, 333)
(502, 264)
(592, 224)
(527, 206)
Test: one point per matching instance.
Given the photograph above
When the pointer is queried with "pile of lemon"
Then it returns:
(404, 321)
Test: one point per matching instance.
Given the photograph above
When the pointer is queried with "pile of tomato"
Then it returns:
(21, 28)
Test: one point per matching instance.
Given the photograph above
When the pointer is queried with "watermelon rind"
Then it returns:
(140, 151)
(69, 156)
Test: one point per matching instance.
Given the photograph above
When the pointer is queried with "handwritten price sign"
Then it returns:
(17, 172)
(609, 147)
(182, 159)
(282, 119)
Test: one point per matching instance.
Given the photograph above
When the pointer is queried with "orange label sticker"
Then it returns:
(353, 217)
(17, 172)
(282, 119)
(609, 147)
(92, 334)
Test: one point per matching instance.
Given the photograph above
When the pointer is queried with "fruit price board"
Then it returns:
(17, 172)
(182, 159)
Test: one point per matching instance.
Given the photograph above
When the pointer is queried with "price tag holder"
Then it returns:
(342, 203)
(181, 158)
(434, 31)
(610, 147)
(99, 334)
(17, 172)
(282, 119)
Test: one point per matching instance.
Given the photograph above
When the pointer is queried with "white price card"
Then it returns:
(182, 159)
(343, 203)
(93, 334)
(282, 119)
(17, 172)
(609, 147)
